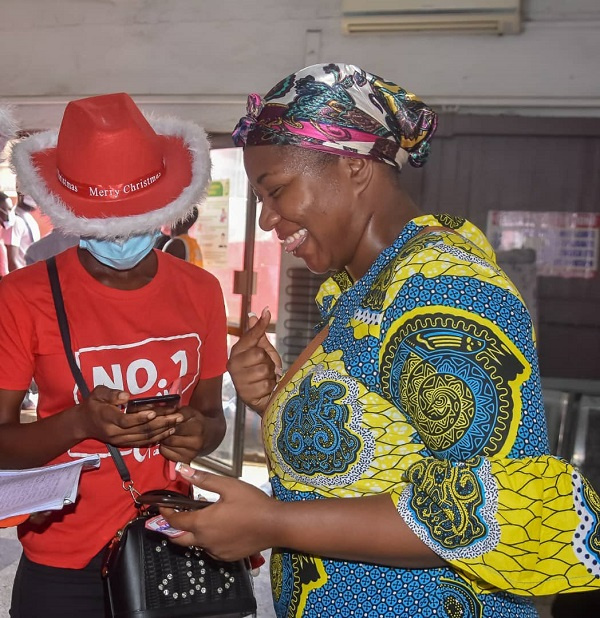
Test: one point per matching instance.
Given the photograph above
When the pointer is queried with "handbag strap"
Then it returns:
(63, 324)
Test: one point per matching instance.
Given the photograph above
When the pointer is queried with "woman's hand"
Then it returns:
(235, 526)
(202, 427)
(254, 364)
(100, 417)
(245, 521)
(188, 439)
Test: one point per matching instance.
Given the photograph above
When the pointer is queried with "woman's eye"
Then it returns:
(270, 194)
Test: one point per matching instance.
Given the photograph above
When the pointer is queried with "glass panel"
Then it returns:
(220, 231)
(222, 257)
(556, 406)
(224, 453)
(267, 261)
(586, 454)
(221, 226)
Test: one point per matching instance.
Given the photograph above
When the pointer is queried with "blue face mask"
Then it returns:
(120, 255)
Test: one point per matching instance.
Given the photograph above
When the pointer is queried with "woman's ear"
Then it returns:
(360, 172)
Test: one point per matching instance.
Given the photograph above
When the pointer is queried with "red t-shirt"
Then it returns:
(141, 341)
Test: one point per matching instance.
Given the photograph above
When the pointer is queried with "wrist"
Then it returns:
(76, 421)
(214, 432)
(260, 406)
(277, 523)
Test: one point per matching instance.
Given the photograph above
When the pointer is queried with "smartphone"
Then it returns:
(135, 405)
(172, 500)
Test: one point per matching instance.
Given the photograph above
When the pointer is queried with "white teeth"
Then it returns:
(296, 236)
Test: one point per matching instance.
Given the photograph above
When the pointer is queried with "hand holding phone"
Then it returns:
(145, 403)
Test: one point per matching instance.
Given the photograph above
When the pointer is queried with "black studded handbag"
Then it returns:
(147, 576)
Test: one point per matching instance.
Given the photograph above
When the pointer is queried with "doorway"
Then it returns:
(246, 260)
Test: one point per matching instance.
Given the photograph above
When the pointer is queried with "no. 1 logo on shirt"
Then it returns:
(148, 367)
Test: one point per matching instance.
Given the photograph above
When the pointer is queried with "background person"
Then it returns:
(181, 244)
(25, 207)
(8, 130)
(163, 237)
(3, 258)
(13, 230)
(407, 445)
(142, 323)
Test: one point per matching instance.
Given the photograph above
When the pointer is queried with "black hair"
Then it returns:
(317, 159)
(308, 157)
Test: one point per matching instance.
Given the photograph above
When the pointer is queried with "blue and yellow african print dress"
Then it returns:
(427, 387)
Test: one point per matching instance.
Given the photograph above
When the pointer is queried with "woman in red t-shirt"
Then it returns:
(142, 323)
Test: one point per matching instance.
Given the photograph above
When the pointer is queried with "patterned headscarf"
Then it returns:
(343, 110)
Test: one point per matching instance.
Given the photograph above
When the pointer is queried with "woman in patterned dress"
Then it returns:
(407, 445)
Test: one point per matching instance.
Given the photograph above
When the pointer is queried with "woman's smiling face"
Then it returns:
(307, 198)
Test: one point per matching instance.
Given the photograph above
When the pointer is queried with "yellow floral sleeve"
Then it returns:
(528, 526)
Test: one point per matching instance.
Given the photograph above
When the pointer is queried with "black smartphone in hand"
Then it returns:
(135, 405)
(172, 500)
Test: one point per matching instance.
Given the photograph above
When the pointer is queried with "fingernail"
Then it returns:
(185, 470)
(265, 310)
(278, 371)
(252, 315)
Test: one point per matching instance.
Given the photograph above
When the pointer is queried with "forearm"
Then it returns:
(358, 529)
(258, 408)
(29, 445)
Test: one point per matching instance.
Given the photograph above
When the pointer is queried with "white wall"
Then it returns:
(199, 58)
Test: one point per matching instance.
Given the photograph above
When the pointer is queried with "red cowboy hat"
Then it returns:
(112, 172)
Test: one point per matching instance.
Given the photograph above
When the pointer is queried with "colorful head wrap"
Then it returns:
(343, 110)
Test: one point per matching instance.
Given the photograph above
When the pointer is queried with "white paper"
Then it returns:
(48, 488)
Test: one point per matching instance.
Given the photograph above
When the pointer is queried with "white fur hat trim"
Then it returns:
(194, 138)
